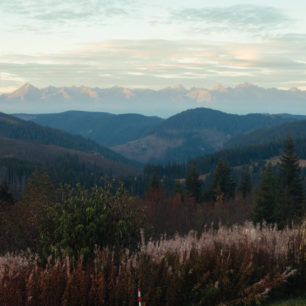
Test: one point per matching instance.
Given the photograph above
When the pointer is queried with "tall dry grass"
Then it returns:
(237, 265)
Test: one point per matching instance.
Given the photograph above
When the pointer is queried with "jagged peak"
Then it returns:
(24, 89)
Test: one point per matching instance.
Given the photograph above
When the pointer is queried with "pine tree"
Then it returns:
(245, 186)
(193, 184)
(291, 183)
(223, 185)
(154, 183)
(267, 197)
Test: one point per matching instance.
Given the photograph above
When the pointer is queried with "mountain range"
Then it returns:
(30, 142)
(242, 99)
(145, 139)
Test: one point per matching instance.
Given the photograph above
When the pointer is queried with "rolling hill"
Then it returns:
(295, 129)
(104, 128)
(15, 128)
(151, 139)
(194, 132)
(30, 142)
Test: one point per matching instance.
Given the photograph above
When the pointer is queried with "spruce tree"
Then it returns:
(291, 183)
(245, 186)
(223, 185)
(154, 182)
(193, 184)
(267, 197)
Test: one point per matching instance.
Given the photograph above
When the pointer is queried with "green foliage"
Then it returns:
(267, 197)
(291, 185)
(245, 186)
(193, 184)
(85, 219)
(21, 222)
(281, 199)
(223, 185)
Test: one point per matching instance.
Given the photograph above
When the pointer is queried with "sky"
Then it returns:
(152, 44)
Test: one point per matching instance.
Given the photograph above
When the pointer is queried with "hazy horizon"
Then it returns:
(242, 99)
(136, 44)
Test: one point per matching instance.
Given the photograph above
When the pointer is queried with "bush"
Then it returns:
(87, 219)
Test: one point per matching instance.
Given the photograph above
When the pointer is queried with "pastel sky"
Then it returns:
(152, 44)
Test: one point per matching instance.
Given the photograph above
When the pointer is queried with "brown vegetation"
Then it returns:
(239, 265)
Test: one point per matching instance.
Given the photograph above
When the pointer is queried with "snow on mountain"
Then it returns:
(243, 98)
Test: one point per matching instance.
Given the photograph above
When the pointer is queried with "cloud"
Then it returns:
(237, 17)
(159, 63)
(61, 12)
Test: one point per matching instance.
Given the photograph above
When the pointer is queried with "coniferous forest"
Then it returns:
(235, 235)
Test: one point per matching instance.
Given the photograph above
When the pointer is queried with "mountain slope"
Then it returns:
(296, 129)
(51, 154)
(192, 133)
(12, 127)
(104, 128)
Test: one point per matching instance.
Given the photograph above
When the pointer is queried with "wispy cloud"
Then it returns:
(233, 18)
(156, 63)
(61, 12)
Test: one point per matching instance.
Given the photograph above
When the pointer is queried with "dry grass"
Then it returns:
(229, 266)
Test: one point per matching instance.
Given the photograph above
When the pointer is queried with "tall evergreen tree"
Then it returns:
(193, 184)
(291, 183)
(154, 182)
(267, 197)
(223, 185)
(245, 186)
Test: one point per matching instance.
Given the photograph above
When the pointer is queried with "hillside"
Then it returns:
(51, 154)
(247, 155)
(194, 132)
(14, 128)
(295, 129)
(104, 128)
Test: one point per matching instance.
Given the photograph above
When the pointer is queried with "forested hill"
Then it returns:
(191, 133)
(104, 128)
(14, 128)
(231, 124)
(195, 132)
(295, 129)
(256, 154)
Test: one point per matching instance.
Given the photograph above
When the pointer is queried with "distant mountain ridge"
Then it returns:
(104, 128)
(29, 141)
(295, 129)
(151, 139)
(194, 132)
(244, 98)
